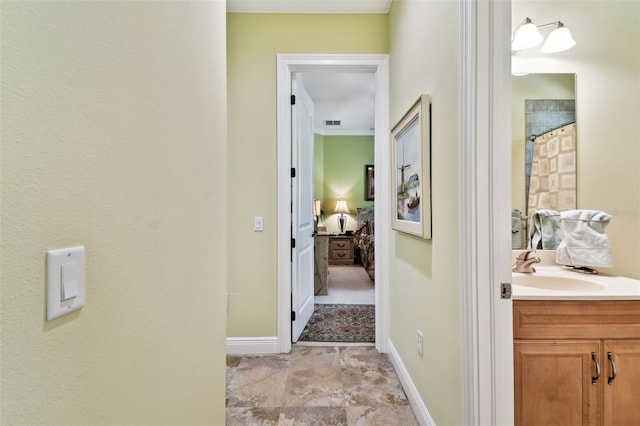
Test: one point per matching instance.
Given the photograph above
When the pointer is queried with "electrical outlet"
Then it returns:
(420, 343)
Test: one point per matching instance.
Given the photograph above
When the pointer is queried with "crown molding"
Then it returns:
(309, 6)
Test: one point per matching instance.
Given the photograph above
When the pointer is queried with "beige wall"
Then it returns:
(114, 136)
(424, 273)
(607, 68)
(253, 42)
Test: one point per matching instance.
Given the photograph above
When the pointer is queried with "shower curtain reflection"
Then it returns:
(552, 180)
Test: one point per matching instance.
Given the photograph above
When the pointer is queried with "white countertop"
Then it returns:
(555, 282)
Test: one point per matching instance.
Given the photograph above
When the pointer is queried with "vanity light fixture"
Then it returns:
(527, 35)
(558, 40)
(341, 207)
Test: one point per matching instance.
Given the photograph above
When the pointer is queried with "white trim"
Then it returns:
(303, 343)
(252, 345)
(308, 6)
(500, 214)
(379, 66)
(487, 359)
(415, 400)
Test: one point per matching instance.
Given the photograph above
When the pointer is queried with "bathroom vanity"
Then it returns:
(576, 348)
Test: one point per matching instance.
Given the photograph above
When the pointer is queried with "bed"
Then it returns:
(365, 239)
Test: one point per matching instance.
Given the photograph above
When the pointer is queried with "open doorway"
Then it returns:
(342, 245)
(343, 115)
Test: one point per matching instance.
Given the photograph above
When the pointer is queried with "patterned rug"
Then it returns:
(341, 323)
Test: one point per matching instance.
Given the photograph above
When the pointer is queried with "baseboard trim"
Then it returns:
(417, 405)
(252, 345)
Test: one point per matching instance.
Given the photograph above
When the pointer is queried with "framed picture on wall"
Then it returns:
(368, 183)
(411, 173)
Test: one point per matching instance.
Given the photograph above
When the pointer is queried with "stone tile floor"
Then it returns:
(316, 385)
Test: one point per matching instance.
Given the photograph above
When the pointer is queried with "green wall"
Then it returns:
(424, 279)
(253, 41)
(318, 169)
(342, 161)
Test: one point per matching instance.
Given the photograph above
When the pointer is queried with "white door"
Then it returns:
(302, 268)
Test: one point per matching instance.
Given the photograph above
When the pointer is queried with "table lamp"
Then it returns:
(341, 207)
(317, 209)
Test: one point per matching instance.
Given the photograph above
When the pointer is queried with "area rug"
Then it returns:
(341, 323)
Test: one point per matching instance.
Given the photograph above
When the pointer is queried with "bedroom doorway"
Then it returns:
(301, 67)
(343, 115)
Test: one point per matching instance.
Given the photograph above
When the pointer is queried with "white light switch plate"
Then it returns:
(65, 281)
(258, 223)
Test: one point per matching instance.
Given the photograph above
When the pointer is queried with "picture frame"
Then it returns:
(411, 170)
(369, 192)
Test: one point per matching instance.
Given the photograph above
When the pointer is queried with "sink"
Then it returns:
(559, 283)
(556, 282)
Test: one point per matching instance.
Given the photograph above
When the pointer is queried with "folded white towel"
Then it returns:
(545, 232)
(584, 242)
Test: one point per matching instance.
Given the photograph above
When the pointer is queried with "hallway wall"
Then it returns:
(424, 287)
(114, 137)
(253, 42)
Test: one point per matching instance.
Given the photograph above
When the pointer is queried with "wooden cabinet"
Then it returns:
(622, 396)
(321, 256)
(576, 362)
(341, 250)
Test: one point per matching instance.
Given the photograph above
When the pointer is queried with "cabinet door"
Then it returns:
(553, 382)
(621, 393)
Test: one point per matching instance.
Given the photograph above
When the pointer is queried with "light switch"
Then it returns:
(65, 281)
(70, 277)
(257, 223)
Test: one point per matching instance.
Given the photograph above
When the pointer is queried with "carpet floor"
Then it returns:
(348, 285)
(341, 323)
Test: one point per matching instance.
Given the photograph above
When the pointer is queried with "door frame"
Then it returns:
(378, 65)
(485, 206)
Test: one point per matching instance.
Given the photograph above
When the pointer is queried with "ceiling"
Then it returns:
(345, 97)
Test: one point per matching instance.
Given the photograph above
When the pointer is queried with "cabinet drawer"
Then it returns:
(341, 254)
(340, 245)
(533, 319)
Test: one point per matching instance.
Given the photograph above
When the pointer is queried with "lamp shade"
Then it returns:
(341, 206)
(558, 40)
(317, 208)
(526, 36)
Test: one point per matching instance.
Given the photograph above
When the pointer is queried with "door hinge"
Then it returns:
(293, 172)
(505, 290)
(293, 99)
(293, 243)
(293, 315)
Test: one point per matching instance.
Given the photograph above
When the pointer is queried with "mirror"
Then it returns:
(543, 148)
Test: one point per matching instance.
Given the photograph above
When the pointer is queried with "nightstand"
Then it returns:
(341, 250)
(321, 249)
